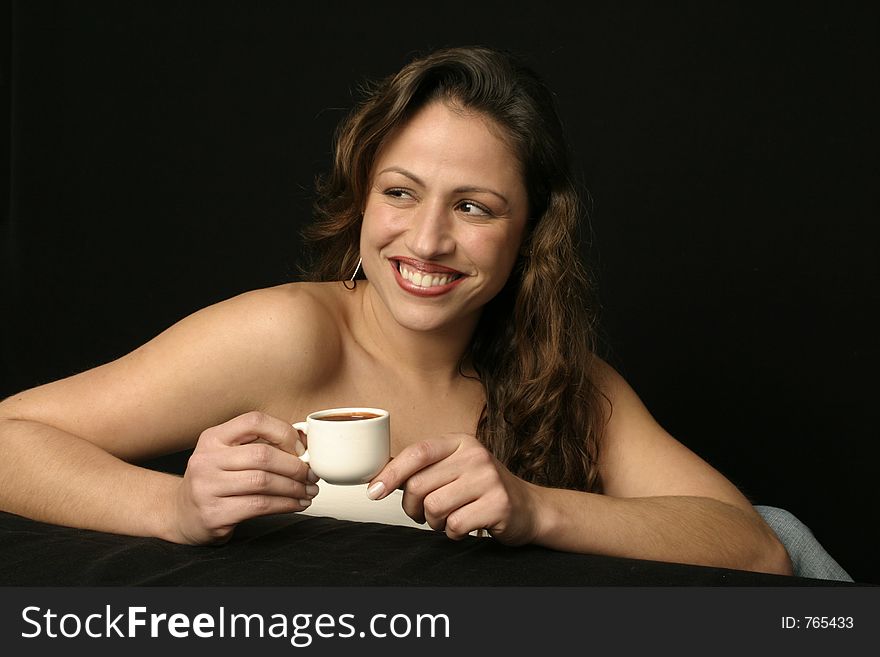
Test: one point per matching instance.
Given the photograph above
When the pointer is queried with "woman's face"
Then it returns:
(444, 218)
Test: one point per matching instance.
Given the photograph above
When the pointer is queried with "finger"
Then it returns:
(433, 483)
(466, 519)
(254, 426)
(263, 456)
(457, 524)
(409, 461)
(235, 510)
(260, 482)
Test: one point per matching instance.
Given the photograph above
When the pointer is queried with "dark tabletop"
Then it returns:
(296, 550)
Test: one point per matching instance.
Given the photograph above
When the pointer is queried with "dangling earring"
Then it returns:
(353, 276)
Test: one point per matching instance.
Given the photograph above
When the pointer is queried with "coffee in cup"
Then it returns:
(347, 446)
(348, 417)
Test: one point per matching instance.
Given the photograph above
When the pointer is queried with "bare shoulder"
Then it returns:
(280, 309)
(294, 327)
(630, 427)
(244, 353)
(616, 392)
(641, 459)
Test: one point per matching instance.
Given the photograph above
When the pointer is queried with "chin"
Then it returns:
(429, 314)
(422, 321)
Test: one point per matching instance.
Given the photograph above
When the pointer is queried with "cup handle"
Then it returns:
(304, 428)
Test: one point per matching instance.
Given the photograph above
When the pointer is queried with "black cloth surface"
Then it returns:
(296, 550)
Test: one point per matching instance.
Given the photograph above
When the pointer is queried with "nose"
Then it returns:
(430, 234)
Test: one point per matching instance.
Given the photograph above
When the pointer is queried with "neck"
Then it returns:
(434, 354)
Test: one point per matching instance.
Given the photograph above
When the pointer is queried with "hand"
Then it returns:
(241, 469)
(455, 485)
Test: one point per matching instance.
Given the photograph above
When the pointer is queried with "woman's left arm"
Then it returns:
(660, 501)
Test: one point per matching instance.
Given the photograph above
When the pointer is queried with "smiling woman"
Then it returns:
(471, 324)
(442, 233)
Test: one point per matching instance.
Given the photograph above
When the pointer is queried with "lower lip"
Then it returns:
(418, 291)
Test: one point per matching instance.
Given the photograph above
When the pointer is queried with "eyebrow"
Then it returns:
(457, 190)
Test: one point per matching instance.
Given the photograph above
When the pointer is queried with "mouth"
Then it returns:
(424, 279)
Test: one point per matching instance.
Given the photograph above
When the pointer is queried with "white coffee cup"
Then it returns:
(347, 446)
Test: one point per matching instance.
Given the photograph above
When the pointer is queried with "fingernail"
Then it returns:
(375, 491)
(311, 490)
(312, 477)
(299, 449)
(305, 503)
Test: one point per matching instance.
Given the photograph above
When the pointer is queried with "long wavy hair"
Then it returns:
(534, 345)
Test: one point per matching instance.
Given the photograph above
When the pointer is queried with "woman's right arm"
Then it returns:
(68, 446)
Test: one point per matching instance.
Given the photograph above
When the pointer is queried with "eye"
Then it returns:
(397, 192)
(473, 209)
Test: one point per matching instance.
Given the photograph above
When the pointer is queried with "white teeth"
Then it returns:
(425, 280)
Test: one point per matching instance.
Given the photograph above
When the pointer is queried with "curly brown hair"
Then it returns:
(534, 346)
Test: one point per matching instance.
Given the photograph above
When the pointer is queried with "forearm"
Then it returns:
(695, 530)
(50, 475)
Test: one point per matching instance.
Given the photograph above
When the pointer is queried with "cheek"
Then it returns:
(381, 224)
(496, 253)
(375, 231)
(507, 242)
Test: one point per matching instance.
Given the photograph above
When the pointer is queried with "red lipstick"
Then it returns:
(429, 270)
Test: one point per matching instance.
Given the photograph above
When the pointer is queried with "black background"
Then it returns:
(162, 157)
